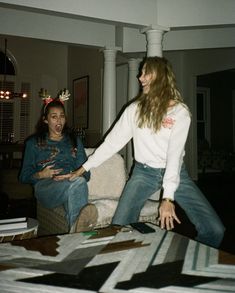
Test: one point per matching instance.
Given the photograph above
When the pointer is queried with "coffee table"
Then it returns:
(19, 234)
(113, 263)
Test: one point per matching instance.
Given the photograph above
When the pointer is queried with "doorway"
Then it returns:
(215, 121)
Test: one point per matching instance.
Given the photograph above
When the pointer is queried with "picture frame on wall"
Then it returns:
(81, 102)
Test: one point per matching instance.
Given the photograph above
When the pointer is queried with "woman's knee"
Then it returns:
(79, 182)
(211, 233)
(219, 232)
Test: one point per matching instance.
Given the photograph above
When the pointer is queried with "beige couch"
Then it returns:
(105, 187)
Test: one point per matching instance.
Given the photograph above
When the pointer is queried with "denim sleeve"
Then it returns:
(81, 158)
(28, 168)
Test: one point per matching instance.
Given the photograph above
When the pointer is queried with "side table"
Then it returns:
(19, 234)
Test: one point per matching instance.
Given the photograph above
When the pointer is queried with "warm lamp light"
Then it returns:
(7, 95)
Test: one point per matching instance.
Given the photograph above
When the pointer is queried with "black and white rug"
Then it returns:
(128, 261)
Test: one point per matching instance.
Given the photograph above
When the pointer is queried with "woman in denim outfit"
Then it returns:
(50, 156)
(158, 122)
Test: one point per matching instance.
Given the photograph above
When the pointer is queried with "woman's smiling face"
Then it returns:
(146, 79)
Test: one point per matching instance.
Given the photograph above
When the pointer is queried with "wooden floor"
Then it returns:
(226, 258)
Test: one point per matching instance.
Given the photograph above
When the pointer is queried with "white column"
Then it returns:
(133, 89)
(154, 36)
(109, 88)
(133, 82)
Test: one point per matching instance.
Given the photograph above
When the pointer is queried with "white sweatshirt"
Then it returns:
(161, 149)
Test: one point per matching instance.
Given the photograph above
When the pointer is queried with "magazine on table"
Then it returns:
(14, 223)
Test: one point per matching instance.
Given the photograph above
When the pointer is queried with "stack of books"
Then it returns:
(13, 224)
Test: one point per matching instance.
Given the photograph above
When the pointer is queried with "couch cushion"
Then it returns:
(106, 209)
(108, 179)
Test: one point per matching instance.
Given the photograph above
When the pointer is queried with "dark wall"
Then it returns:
(221, 85)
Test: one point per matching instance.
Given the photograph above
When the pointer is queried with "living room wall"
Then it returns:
(42, 64)
(84, 61)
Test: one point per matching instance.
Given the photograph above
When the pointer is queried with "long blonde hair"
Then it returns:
(162, 93)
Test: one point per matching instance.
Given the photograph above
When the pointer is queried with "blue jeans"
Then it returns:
(145, 180)
(73, 195)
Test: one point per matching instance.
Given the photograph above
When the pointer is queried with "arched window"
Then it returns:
(6, 65)
(14, 113)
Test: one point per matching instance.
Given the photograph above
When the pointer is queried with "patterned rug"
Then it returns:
(107, 262)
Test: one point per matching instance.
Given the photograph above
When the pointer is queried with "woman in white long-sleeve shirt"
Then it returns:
(158, 121)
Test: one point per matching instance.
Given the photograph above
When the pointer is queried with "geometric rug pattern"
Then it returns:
(126, 262)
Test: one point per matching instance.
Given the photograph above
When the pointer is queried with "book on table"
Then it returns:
(12, 224)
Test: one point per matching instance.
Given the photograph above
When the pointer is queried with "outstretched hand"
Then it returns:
(79, 172)
(167, 215)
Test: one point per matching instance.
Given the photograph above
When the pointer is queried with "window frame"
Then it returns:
(206, 117)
